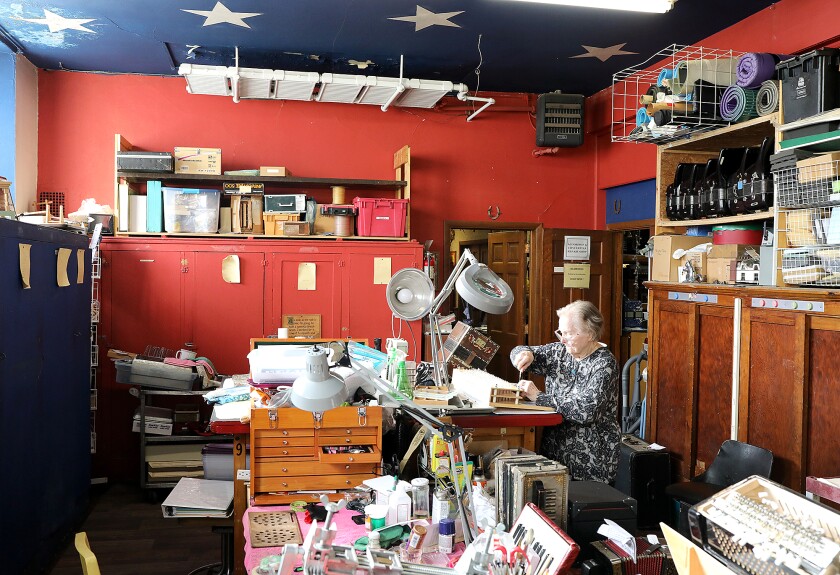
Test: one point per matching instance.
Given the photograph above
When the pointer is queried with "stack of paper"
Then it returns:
(199, 498)
(170, 462)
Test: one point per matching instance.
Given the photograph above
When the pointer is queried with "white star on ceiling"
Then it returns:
(220, 14)
(424, 18)
(603, 54)
(58, 23)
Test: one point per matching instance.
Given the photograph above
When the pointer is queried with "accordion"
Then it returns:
(610, 559)
(523, 479)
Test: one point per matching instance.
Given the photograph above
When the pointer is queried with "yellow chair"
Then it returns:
(90, 566)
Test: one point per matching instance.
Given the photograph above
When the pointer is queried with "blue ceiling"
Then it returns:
(494, 45)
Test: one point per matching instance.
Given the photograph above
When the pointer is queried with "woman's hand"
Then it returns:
(523, 359)
(529, 389)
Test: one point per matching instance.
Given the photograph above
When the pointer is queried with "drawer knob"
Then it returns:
(351, 459)
(346, 467)
(347, 482)
(285, 432)
(285, 452)
(285, 442)
(348, 431)
(285, 484)
(285, 470)
(347, 440)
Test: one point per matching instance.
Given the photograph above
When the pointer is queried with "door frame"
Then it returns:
(535, 252)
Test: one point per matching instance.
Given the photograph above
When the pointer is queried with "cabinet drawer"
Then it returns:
(347, 440)
(310, 482)
(349, 432)
(372, 455)
(283, 432)
(263, 452)
(273, 468)
(271, 441)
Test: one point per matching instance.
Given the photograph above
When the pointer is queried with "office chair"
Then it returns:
(734, 461)
(90, 566)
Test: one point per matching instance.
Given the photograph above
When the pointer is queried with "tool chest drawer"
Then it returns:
(269, 440)
(295, 468)
(301, 452)
(350, 454)
(311, 482)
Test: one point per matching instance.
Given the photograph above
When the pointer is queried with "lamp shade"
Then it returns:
(318, 389)
(410, 294)
(483, 289)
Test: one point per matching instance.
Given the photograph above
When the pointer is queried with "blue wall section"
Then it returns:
(7, 114)
(631, 202)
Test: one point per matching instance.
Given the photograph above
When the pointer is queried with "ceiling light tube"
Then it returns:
(654, 6)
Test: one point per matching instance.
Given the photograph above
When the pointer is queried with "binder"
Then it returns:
(154, 206)
(193, 497)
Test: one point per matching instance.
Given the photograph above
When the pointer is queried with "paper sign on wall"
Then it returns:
(576, 276)
(23, 258)
(230, 269)
(303, 325)
(306, 276)
(61, 267)
(80, 266)
(576, 248)
(381, 271)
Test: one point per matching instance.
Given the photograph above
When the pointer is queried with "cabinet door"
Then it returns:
(366, 307)
(292, 292)
(772, 393)
(823, 396)
(225, 316)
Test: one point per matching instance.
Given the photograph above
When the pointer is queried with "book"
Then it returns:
(193, 497)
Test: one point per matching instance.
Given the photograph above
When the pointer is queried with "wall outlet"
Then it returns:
(243, 475)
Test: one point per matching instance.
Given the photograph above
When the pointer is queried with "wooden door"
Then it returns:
(554, 295)
(225, 316)
(507, 255)
(823, 425)
(292, 292)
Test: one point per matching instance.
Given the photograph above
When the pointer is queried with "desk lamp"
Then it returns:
(411, 296)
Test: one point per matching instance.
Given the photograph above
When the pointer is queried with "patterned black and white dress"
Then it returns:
(586, 393)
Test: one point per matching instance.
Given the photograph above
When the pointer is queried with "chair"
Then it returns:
(734, 461)
(90, 566)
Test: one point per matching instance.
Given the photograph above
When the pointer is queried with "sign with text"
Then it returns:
(303, 325)
(576, 276)
(576, 248)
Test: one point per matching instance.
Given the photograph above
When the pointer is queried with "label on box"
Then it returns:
(198, 161)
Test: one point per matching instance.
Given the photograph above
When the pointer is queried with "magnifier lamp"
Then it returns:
(411, 296)
(317, 389)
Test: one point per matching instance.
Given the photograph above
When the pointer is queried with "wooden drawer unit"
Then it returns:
(296, 450)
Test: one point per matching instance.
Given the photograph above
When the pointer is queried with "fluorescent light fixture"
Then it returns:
(340, 88)
(656, 6)
(207, 80)
(255, 83)
(294, 85)
(378, 91)
(424, 93)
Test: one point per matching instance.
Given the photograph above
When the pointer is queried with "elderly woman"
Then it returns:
(581, 380)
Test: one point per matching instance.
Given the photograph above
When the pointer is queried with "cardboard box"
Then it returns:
(279, 171)
(730, 251)
(206, 161)
(820, 167)
(721, 270)
(698, 261)
(274, 223)
(296, 228)
(664, 267)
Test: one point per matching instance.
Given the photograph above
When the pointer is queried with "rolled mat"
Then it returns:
(757, 67)
(737, 104)
(767, 98)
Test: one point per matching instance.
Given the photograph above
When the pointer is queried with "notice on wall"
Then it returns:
(80, 266)
(230, 269)
(23, 258)
(61, 267)
(576, 276)
(576, 248)
(306, 276)
(306, 325)
(381, 271)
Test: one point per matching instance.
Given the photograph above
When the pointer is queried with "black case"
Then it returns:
(590, 502)
(643, 474)
(132, 161)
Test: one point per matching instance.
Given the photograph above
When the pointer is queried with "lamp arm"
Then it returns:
(467, 258)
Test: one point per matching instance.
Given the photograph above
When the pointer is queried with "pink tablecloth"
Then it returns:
(347, 533)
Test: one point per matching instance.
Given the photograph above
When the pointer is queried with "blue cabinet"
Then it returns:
(44, 393)
(631, 202)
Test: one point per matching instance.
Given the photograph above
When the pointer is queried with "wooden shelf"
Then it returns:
(734, 136)
(289, 181)
(716, 221)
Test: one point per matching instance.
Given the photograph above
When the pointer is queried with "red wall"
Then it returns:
(458, 169)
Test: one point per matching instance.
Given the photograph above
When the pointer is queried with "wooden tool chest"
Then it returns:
(294, 450)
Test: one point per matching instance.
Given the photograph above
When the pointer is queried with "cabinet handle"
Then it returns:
(346, 467)
(347, 440)
(285, 470)
(617, 206)
(347, 482)
(285, 452)
(284, 484)
(350, 459)
(285, 432)
(349, 432)
(285, 442)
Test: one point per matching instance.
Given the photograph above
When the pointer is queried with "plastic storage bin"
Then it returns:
(218, 461)
(810, 83)
(155, 374)
(380, 217)
(191, 210)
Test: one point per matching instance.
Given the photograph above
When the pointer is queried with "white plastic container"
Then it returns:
(191, 210)
(399, 506)
(277, 363)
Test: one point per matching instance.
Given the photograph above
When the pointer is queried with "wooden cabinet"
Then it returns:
(297, 450)
(783, 374)
(170, 293)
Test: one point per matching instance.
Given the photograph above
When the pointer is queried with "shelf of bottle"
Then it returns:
(716, 221)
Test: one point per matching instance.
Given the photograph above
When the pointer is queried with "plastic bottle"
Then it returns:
(373, 540)
(446, 535)
(399, 506)
(420, 498)
(403, 386)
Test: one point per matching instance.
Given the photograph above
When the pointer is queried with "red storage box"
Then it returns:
(380, 217)
(737, 234)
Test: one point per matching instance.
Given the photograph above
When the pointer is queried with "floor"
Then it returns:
(129, 536)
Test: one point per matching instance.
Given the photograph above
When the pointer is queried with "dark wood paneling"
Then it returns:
(506, 255)
(774, 394)
(823, 459)
(673, 381)
(714, 389)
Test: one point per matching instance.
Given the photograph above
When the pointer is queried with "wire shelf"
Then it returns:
(809, 184)
(812, 227)
(814, 266)
(673, 94)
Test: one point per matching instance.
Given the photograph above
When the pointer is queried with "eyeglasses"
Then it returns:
(559, 334)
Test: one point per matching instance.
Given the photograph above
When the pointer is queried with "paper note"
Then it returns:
(230, 269)
(576, 248)
(24, 250)
(61, 267)
(576, 276)
(80, 266)
(306, 277)
(617, 534)
(381, 271)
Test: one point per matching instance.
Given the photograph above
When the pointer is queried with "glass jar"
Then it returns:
(420, 498)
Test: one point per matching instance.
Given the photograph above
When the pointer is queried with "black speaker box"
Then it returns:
(643, 474)
(560, 120)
